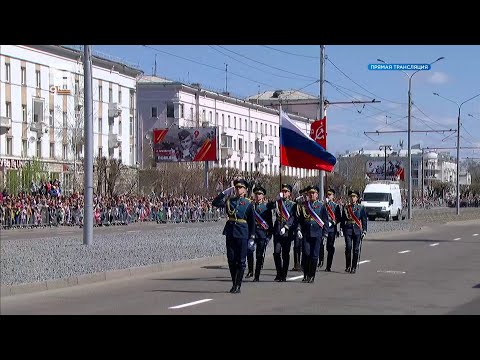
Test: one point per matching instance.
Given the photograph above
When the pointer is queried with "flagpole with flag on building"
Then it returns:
(301, 151)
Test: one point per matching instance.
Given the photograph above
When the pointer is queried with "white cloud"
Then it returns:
(438, 77)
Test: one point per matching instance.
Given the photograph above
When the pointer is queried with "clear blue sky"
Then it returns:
(254, 68)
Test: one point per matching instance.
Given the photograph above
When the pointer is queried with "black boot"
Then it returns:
(313, 270)
(278, 265)
(296, 260)
(348, 261)
(232, 274)
(285, 271)
(238, 282)
(258, 268)
(306, 270)
(250, 265)
(354, 263)
(329, 260)
(321, 255)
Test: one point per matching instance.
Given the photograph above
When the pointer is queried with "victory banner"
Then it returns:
(318, 132)
(184, 144)
(376, 170)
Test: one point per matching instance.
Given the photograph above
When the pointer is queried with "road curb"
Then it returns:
(10, 290)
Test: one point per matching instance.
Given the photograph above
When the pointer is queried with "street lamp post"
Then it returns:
(410, 133)
(458, 143)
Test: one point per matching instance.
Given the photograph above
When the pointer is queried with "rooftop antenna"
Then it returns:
(226, 78)
(155, 71)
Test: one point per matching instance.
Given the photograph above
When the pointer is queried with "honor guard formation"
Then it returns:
(310, 223)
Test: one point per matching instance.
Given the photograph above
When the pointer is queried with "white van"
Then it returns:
(383, 199)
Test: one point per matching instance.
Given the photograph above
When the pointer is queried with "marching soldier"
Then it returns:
(354, 226)
(283, 233)
(239, 229)
(263, 232)
(313, 223)
(334, 218)
(298, 243)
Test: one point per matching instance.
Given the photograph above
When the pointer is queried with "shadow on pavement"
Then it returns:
(191, 291)
(476, 286)
(407, 240)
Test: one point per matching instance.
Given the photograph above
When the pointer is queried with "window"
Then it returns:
(9, 145)
(100, 90)
(24, 113)
(265, 129)
(270, 130)
(234, 144)
(8, 109)
(7, 72)
(223, 121)
(235, 164)
(240, 123)
(119, 96)
(191, 113)
(131, 99)
(65, 120)
(182, 111)
(100, 151)
(110, 152)
(131, 125)
(111, 123)
(64, 152)
(38, 79)
(39, 149)
(120, 153)
(110, 95)
(246, 168)
(270, 149)
(256, 127)
(100, 125)
(210, 117)
(235, 122)
(204, 116)
(37, 110)
(216, 119)
(261, 128)
(64, 86)
(251, 127)
(52, 150)
(229, 124)
(246, 125)
(251, 147)
(275, 131)
(77, 87)
(120, 127)
(154, 112)
(170, 110)
(23, 75)
(24, 148)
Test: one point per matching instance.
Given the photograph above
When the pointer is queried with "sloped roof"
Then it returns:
(282, 95)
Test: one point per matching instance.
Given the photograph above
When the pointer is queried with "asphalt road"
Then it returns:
(434, 271)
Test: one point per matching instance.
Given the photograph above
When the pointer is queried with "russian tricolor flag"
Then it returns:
(299, 150)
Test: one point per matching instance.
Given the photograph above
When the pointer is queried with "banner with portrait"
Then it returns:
(185, 144)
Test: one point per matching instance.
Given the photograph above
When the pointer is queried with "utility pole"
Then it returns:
(385, 147)
(322, 110)
(226, 78)
(88, 163)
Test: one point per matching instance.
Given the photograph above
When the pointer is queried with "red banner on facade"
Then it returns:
(318, 132)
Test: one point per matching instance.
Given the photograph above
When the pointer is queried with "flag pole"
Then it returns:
(280, 147)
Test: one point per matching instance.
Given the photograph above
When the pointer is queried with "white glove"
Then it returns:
(299, 234)
(280, 196)
(341, 232)
(228, 191)
(282, 231)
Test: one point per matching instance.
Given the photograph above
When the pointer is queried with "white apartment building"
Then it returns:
(42, 114)
(439, 166)
(249, 133)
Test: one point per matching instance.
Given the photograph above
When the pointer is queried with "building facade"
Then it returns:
(42, 114)
(248, 133)
(437, 166)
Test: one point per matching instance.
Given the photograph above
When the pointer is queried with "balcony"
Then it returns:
(113, 141)
(226, 152)
(5, 122)
(114, 110)
(39, 127)
(259, 157)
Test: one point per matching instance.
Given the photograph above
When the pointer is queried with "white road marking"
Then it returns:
(190, 304)
(391, 272)
(404, 251)
(133, 231)
(434, 244)
(295, 278)
(456, 239)
(364, 261)
(475, 235)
